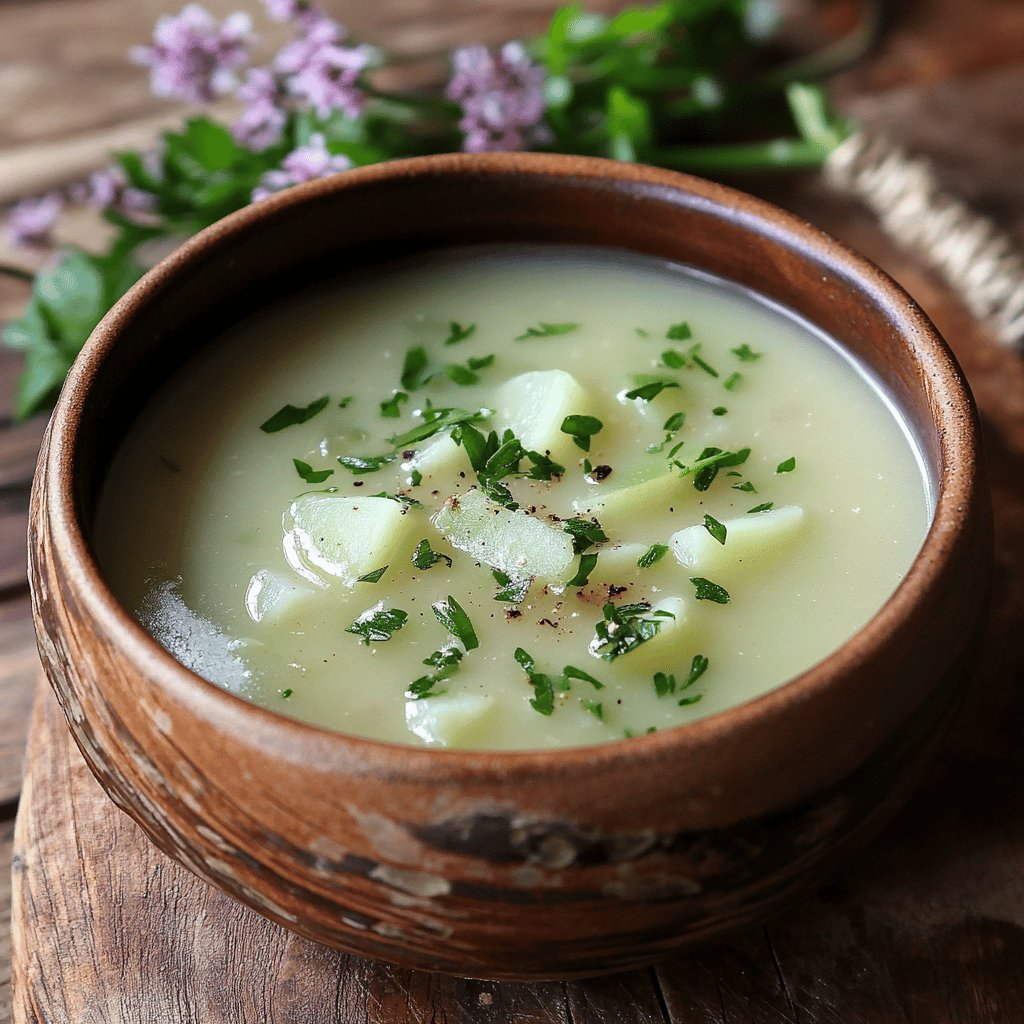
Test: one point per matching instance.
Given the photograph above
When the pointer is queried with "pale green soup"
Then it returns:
(750, 495)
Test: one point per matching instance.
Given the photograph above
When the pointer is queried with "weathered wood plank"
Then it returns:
(6, 844)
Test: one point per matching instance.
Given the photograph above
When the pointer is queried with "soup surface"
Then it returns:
(689, 496)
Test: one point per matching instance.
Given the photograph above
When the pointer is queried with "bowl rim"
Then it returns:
(302, 742)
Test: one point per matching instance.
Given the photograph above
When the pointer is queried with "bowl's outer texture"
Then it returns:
(511, 865)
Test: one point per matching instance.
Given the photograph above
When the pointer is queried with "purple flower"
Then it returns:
(193, 57)
(285, 10)
(303, 164)
(319, 70)
(31, 221)
(109, 189)
(262, 121)
(502, 98)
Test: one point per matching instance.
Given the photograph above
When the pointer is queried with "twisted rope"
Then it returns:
(979, 261)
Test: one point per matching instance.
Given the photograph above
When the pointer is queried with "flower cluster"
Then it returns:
(502, 98)
(31, 221)
(303, 164)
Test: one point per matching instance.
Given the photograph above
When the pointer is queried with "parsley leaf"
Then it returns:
(372, 577)
(710, 461)
(436, 419)
(708, 591)
(585, 533)
(291, 415)
(745, 486)
(453, 617)
(357, 465)
(679, 332)
(745, 353)
(414, 368)
(466, 375)
(309, 474)
(587, 564)
(513, 591)
(788, 466)
(622, 630)
(570, 672)
(673, 359)
(731, 381)
(653, 554)
(715, 528)
(546, 330)
(424, 558)
(446, 661)
(766, 507)
(581, 428)
(378, 624)
(595, 707)
(390, 406)
(457, 333)
(648, 392)
(543, 700)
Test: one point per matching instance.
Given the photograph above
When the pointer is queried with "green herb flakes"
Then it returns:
(287, 692)
(425, 558)
(357, 465)
(708, 591)
(346, 401)
(453, 617)
(378, 624)
(766, 507)
(512, 591)
(586, 567)
(787, 466)
(655, 553)
(390, 406)
(546, 330)
(570, 672)
(746, 354)
(309, 474)
(679, 332)
(292, 415)
(731, 381)
(705, 366)
(585, 533)
(543, 700)
(648, 392)
(674, 422)
(745, 486)
(622, 630)
(595, 707)
(581, 429)
(457, 332)
(719, 410)
(372, 577)
(414, 368)
(673, 359)
(715, 528)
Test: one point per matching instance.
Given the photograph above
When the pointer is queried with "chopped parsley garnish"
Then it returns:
(623, 629)
(706, 367)
(543, 700)
(648, 392)
(512, 591)
(715, 528)
(745, 486)
(402, 499)
(788, 466)
(581, 428)
(390, 406)
(495, 458)
(641, 333)
(287, 692)
(436, 419)
(664, 684)
(446, 659)
(414, 368)
(708, 591)
(346, 401)
(655, 553)
(585, 533)
(571, 672)
(731, 381)
(674, 422)
(309, 474)
(378, 624)
(360, 464)
(595, 707)
(766, 507)
(587, 563)
(464, 375)
(698, 667)
(673, 359)
(710, 461)
(422, 688)
(415, 478)
(446, 663)
(425, 558)
(372, 577)
(679, 332)
(745, 353)
(671, 426)
(457, 332)
(453, 617)
(546, 330)
(292, 415)
(719, 410)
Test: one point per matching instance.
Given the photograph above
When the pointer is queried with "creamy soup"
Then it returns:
(512, 498)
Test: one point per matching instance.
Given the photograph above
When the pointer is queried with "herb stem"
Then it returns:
(773, 154)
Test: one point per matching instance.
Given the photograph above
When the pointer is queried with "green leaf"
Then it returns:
(292, 415)
(372, 577)
(425, 558)
(679, 332)
(766, 507)
(581, 428)
(390, 406)
(655, 553)
(787, 466)
(513, 591)
(357, 465)
(453, 617)
(414, 368)
(745, 353)
(571, 672)
(622, 630)
(378, 624)
(587, 564)
(309, 474)
(546, 330)
(457, 332)
(648, 392)
(731, 381)
(673, 359)
(628, 122)
(585, 533)
(715, 528)
(708, 591)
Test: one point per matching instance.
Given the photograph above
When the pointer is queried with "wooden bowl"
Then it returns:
(553, 863)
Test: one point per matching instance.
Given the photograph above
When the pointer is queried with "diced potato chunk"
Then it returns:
(512, 541)
(628, 506)
(449, 719)
(749, 539)
(439, 459)
(274, 598)
(342, 536)
(533, 405)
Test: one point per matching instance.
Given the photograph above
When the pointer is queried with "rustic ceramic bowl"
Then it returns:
(509, 865)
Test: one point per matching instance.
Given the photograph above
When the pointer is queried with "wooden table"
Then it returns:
(929, 925)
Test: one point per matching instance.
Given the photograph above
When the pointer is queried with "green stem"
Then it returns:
(775, 154)
(19, 274)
